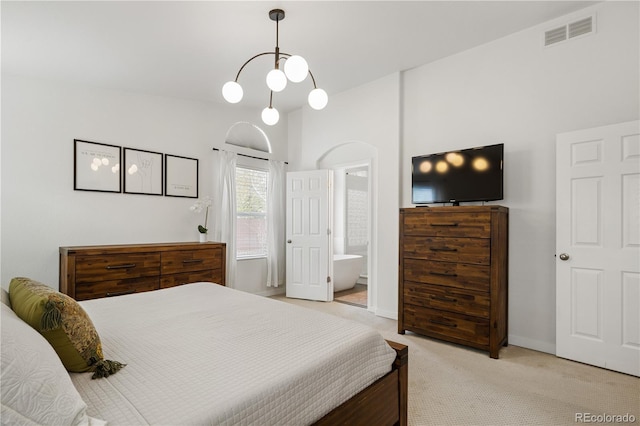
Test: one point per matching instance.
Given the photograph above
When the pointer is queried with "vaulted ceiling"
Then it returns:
(189, 49)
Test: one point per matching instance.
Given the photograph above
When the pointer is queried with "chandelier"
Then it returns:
(295, 70)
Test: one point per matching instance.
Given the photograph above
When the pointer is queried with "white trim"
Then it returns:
(387, 314)
(272, 291)
(536, 345)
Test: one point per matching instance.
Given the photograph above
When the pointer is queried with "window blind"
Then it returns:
(251, 206)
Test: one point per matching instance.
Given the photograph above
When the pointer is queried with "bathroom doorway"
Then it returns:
(353, 212)
(360, 160)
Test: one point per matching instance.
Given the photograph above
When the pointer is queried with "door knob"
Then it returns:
(564, 256)
(288, 241)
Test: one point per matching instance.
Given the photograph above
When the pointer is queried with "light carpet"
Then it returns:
(455, 385)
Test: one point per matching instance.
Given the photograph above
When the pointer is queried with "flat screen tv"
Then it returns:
(473, 174)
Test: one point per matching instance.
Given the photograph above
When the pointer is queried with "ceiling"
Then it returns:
(190, 49)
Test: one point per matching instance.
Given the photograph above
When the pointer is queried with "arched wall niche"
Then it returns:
(248, 135)
(348, 152)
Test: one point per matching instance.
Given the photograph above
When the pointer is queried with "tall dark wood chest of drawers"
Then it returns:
(453, 274)
(92, 272)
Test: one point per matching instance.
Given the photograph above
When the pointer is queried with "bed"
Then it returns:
(207, 354)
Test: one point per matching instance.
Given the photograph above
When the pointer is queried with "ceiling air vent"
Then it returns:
(574, 29)
(555, 36)
(581, 27)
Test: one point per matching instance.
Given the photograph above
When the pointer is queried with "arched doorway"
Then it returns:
(353, 164)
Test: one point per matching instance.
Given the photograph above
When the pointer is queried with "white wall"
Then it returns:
(367, 114)
(40, 209)
(517, 92)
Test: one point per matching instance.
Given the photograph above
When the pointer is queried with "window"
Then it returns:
(251, 205)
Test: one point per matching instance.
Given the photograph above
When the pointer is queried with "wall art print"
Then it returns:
(142, 172)
(96, 167)
(181, 176)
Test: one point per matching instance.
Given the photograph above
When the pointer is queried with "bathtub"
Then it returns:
(346, 271)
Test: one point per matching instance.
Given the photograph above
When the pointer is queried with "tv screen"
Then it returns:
(473, 174)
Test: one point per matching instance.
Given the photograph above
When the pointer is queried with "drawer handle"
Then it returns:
(126, 266)
(444, 299)
(442, 249)
(193, 261)
(446, 324)
(444, 224)
(443, 274)
(121, 293)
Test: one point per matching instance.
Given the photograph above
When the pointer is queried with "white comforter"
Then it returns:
(206, 354)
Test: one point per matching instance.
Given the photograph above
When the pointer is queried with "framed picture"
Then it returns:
(96, 167)
(180, 176)
(142, 172)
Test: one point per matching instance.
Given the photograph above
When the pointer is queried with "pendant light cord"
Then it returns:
(277, 52)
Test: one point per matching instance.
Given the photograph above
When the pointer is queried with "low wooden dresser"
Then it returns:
(91, 272)
(453, 274)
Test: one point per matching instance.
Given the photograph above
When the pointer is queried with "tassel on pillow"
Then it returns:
(104, 367)
(51, 318)
(65, 325)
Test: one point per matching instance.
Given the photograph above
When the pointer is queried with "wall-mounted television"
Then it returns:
(466, 175)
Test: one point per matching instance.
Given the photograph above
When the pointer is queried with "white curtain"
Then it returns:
(224, 196)
(276, 205)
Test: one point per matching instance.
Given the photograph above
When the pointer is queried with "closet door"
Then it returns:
(598, 246)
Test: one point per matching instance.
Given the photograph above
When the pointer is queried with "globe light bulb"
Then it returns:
(296, 68)
(318, 99)
(425, 166)
(276, 80)
(442, 166)
(270, 116)
(480, 164)
(232, 92)
(455, 159)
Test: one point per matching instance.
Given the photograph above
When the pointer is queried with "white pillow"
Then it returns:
(35, 386)
(4, 297)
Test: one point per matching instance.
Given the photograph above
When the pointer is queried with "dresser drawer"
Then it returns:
(465, 250)
(116, 266)
(447, 325)
(476, 304)
(214, 276)
(191, 260)
(461, 275)
(449, 224)
(94, 290)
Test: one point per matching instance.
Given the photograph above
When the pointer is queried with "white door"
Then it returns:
(598, 246)
(309, 254)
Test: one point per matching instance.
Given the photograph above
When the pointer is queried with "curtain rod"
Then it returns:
(249, 156)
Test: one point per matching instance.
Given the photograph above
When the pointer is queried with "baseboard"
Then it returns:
(275, 291)
(387, 314)
(536, 345)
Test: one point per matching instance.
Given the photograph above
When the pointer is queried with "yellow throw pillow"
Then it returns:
(65, 325)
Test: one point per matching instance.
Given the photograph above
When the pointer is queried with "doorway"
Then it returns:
(352, 211)
(355, 157)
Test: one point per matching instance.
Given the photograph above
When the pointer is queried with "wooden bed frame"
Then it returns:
(382, 403)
